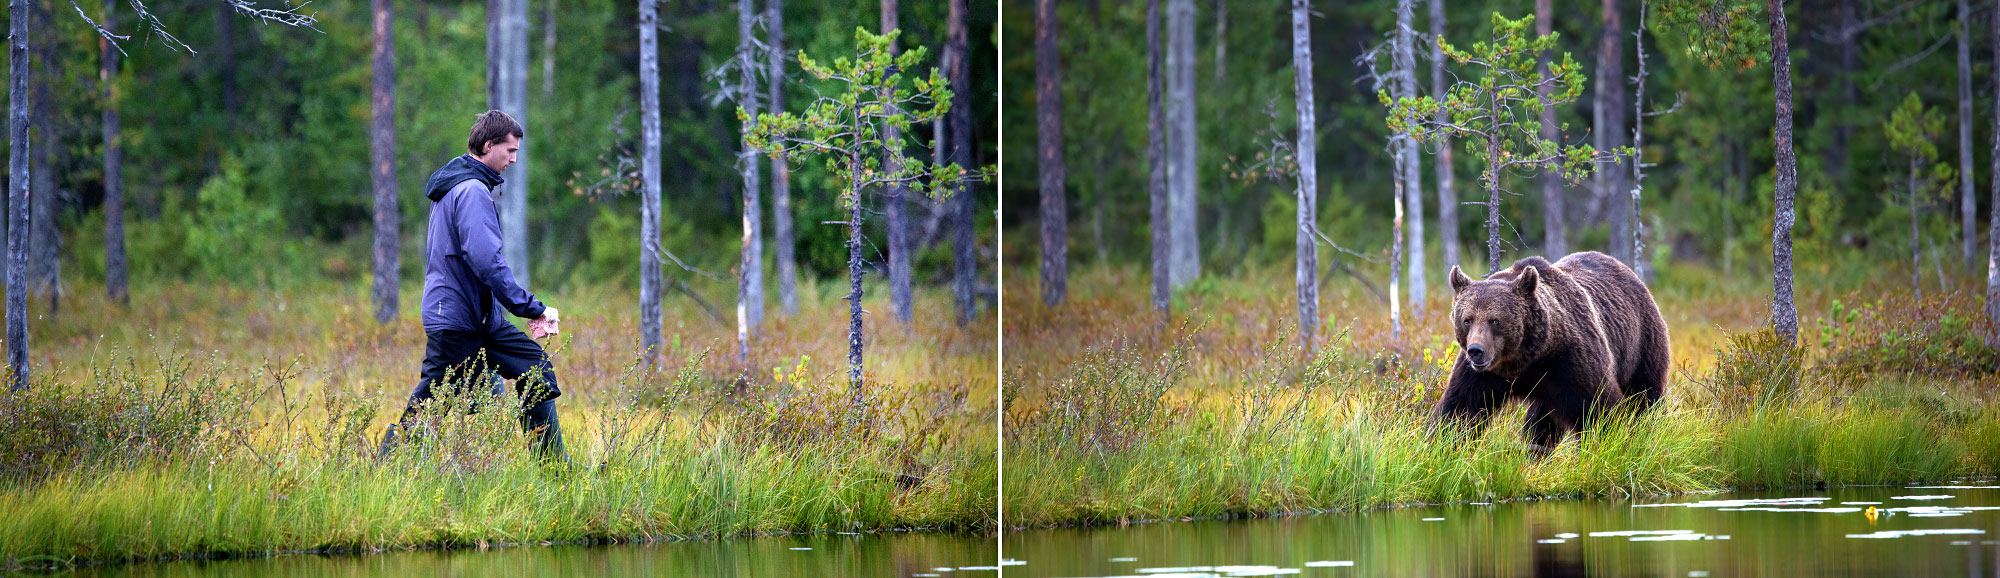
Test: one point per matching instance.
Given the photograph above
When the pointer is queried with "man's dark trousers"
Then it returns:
(509, 353)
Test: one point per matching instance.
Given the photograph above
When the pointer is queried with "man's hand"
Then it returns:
(545, 325)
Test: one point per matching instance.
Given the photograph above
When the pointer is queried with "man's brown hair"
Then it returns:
(490, 127)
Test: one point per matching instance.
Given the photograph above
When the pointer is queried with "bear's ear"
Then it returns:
(1458, 280)
(1525, 284)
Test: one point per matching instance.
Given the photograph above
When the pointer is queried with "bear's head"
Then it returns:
(1493, 319)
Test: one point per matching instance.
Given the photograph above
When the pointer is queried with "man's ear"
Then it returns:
(1525, 284)
(1458, 280)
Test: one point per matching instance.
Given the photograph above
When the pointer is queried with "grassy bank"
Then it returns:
(208, 421)
(1217, 416)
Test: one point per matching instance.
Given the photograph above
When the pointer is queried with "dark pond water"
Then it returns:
(825, 556)
(1938, 530)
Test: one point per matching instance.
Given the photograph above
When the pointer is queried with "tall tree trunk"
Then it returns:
(1638, 154)
(649, 179)
(1916, 253)
(1491, 180)
(1447, 197)
(1048, 130)
(17, 194)
(388, 213)
(854, 270)
(964, 255)
(43, 276)
(507, 91)
(1846, 53)
(898, 213)
(549, 51)
(1221, 38)
(1555, 237)
(114, 168)
(1396, 251)
(1182, 148)
(1969, 204)
(1784, 314)
(781, 181)
(225, 24)
(1993, 230)
(1610, 130)
(1306, 273)
(750, 282)
(1158, 215)
(1405, 63)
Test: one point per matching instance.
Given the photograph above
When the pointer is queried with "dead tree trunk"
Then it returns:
(1396, 252)
(1182, 147)
(1404, 60)
(1447, 197)
(1159, 214)
(1993, 230)
(750, 281)
(382, 141)
(1555, 237)
(114, 168)
(507, 91)
(1048, 130)
(854, 270)
(898, 212)
(1784, 314)
(17, 195)
(781, 181)
(1969, 205)
(649, 179)
(1306, 272)
(44, 277)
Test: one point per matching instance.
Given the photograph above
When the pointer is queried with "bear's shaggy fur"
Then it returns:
(1573, 339)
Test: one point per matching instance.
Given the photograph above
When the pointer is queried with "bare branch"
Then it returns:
(294, 16)
(108, 35)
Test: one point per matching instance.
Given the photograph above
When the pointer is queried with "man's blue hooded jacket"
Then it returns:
(464, 271)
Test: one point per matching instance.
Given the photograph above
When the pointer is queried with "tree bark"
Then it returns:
(1396, 252)
(382, 141)
(1555, 236)
(1221, 38)
(781, 178)
(1447, 197)
(44, 276)
(114, 168)
(1405, 62)
(649, 179)
(750, 280)
(17, 194)
(1610, 130)
(898, 212)
(1048, 130)
(549, 51)
(507, 91)
(964, 255)
(1638, 228)
(1159, 219)
(1306, 272)
(1182, 148)
(1993, 221)
(1784, 314)
(854, 270)
(1492, 183)
(1969, 204)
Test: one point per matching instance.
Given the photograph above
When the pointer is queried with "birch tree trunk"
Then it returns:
(1969, 205)
(1182, 148)
(507, 91)
(1306, 273)
(1447, 197)
(750, 279)
(1993, 221)
(1784, 313)
(1159, 220)
(114, 168)
(17, 194)
(1610, 130)
(898, 214)
(1048, 130)
(781, 183)
(1555, 235)
(649, 179)
(1405, 63)
(382, 145)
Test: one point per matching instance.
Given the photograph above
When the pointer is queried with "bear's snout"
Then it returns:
(1476, 354)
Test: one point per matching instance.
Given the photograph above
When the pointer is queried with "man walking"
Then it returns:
(466, 285)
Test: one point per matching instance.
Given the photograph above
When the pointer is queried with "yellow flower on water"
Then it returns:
(1870, 514)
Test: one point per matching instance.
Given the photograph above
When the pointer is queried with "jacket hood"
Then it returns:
(457, 171)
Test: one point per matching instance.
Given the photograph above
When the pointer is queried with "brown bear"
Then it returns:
(1574, 338)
